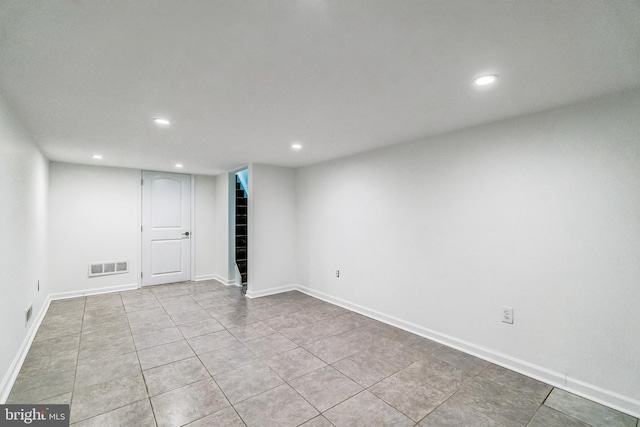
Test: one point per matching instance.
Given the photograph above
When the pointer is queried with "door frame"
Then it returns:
(192, 241)
(192, 246)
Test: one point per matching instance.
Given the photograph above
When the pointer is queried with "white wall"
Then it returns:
(222, 242)
(272, 229)
(204, 227)
(23, 227)
(94, 216)
(540, 213)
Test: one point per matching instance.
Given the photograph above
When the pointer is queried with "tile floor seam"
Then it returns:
(398, 409)
(146, 386)
(75, 375)
(488, 416)
(110, 410)
(434, 409)
(262, 392)
(153, 411)
(144, 380)
(78, 363)
(562, 413)
(238, 414)
(284, 382)
(304, 398)
(352, 379)
(215, 382)
(506, 390)
(451, 395)
(165, 364)
(34, 387)
(271, 389)
(547, 396)
(332, 406)
(294, 389)
(582, 398)
(206, 416)
(211, 376)
(445, 391)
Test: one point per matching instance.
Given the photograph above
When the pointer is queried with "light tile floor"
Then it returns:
(201, 354)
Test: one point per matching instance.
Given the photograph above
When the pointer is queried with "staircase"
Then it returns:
(241, 232)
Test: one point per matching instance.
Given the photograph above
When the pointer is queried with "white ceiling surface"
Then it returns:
(242, 80)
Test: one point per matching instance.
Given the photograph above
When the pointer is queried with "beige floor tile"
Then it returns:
(325, 388)
(279, 407)
(189, 403)
(366, 410)
(247, 381)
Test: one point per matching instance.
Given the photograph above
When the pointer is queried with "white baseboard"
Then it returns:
(270, 291)
(606, 397)
(204, 277)
(16, 364)
(589, 391)
(96, 291)
(224, 280)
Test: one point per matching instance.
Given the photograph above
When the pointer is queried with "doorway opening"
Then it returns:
(241, 228)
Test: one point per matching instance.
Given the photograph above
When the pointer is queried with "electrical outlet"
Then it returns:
(337, 273)
(507, 315)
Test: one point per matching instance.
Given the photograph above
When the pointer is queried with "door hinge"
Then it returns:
(142, 182)
(141, 275)
(141, 228)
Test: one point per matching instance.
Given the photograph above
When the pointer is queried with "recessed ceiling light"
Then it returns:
(178, 165)
(485, 80)
(296, 146)
(97, 156)
(161, 121)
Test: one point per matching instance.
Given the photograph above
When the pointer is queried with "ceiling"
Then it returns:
(242, 80)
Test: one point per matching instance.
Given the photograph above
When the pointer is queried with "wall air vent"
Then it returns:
(108, 267)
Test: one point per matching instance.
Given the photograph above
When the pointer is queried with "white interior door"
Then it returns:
(166, 228)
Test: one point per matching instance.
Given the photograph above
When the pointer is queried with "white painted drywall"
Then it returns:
(221, 220)
(540, 213)
(94, 216)
(272, 228)
(23, 226)
(204, 226)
